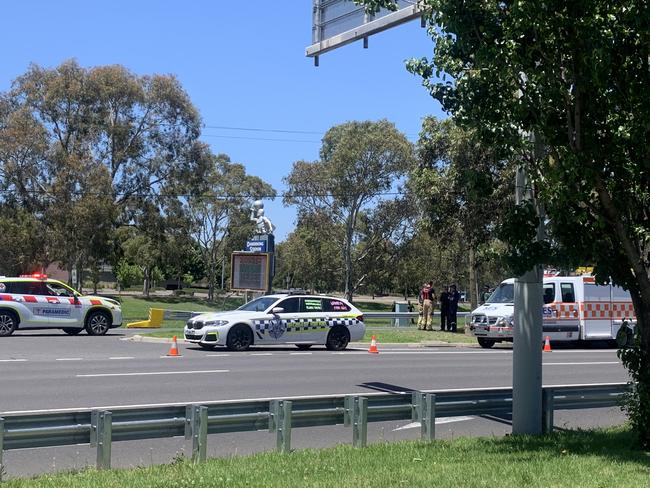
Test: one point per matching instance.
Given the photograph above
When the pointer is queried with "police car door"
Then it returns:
(280, 329)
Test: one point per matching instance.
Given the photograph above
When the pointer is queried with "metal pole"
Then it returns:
(527, 337)
(548, 408)
(359, 421)
(2, 442)
(101, 436)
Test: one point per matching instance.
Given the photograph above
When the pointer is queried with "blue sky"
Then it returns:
(243, 65)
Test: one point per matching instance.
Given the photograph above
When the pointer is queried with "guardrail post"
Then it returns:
(424, 411)
(547, 410)
(280, 423)
(2, 445)
(101, 434)
(197, 430)
(359, 421)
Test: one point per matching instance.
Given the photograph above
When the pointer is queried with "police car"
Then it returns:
(36, 302)
(302, 320)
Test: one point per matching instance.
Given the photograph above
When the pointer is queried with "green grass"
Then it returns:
(136, 308)
(585, 459)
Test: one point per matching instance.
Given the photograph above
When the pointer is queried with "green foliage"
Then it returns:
(574, 75)
(128, 274)
(359, 161)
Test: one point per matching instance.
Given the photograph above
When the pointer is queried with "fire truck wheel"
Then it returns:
(485, 343)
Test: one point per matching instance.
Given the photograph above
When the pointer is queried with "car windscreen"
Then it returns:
(259, 304)
(505, 293)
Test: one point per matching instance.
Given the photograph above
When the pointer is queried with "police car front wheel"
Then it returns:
(72, 331)
(8, 323)
(337, 339)
(240, 338)
(98, 323)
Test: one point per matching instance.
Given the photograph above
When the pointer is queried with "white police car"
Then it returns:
(303, 320)
(36, 302)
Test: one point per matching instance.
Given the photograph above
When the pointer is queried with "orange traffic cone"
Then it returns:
(373, 346)
(173, 351)
(547, 344)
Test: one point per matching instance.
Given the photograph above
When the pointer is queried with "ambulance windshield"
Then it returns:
(505, 293)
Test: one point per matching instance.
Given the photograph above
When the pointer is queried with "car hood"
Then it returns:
(495, 309)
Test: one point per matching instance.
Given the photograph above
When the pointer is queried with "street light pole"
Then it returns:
(527, 332)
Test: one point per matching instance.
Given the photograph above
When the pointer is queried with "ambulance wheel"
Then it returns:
(72, 330)
(303, 347)
(337, 339)
(97, 323)
(8, 322)
(485, 343)
(240, 338)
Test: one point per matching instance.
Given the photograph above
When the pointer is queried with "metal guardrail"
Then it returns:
(101, 427)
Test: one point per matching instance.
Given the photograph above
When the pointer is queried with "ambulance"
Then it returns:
(37, 302)
(575, 309)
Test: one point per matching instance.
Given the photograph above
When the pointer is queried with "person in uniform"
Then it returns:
(454, 298)
(444, 307)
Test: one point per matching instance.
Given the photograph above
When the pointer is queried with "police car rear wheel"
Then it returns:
(72, 331)
(8, 323)
(240, 338)
(337, 339)
(485, 343)
(97, 323)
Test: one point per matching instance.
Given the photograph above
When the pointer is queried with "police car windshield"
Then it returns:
(505, 293)
(259, 304)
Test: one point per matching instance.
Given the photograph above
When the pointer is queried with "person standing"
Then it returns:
(428, 296)
(421, 307)
(444, 307)
(454, 298)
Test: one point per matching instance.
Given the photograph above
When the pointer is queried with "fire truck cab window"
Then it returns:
(568, 294)
(549, 293)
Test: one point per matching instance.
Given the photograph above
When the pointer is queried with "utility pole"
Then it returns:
(527, 333)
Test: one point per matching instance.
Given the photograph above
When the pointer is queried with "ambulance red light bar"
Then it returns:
(38, 276)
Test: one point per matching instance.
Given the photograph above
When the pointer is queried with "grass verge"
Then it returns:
(600, 458)
(135, 308)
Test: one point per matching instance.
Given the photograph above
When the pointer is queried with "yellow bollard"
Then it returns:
(155, 321)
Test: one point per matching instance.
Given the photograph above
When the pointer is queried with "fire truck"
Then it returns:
(575, 309)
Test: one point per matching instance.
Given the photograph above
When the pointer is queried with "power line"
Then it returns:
(259, 138)
(226, 196)
(257, 129)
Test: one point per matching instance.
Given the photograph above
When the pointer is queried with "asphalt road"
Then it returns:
(48, 371)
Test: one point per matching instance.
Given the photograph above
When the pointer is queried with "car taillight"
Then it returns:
(359, 318)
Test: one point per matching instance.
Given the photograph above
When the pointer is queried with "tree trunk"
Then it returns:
(473, 284)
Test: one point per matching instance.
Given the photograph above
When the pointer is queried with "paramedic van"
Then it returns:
(575, 308)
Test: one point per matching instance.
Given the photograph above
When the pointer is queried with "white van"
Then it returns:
(575, 308)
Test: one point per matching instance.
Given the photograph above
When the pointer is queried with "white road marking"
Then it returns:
(577, 364)
(151, 373)
(261, 354)
(122, 357)
(300, 353)
(69, 359)
(445, 420)
(217, 355)
(12, 360)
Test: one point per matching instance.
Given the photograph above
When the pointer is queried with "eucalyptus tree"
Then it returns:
(359, 163)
